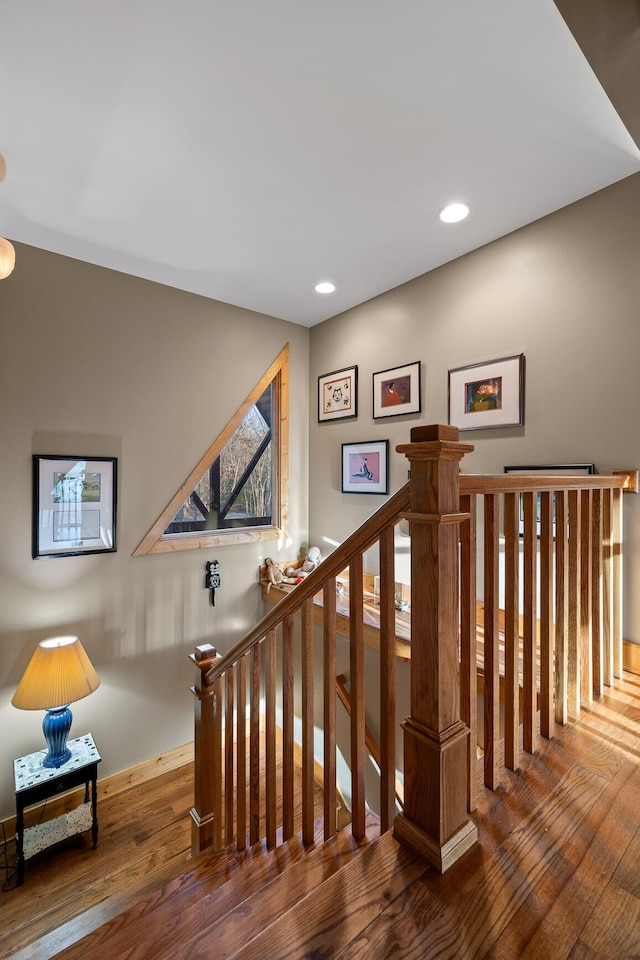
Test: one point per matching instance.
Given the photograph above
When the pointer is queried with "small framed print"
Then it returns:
(365, 467)
(485, 395)
(397, 391)
(74, 506)
(338, 394)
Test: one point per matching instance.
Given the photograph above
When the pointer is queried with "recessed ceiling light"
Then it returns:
(325, 287)
(454, 212)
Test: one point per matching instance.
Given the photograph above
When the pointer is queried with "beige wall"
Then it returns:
(99, 363)
(565, 291)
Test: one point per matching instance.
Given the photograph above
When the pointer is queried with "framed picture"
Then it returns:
(338, 394)
(487, 394)
(365, 467)
(74, 506)
(397, 391)
(562, 469)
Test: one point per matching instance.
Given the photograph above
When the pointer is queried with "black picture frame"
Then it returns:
(338, 395)
(365, 467)
(397, 391)
(74, 505)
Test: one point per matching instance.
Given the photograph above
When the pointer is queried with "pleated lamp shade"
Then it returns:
(59, 673)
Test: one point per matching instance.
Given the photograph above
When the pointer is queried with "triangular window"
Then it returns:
(238, 491)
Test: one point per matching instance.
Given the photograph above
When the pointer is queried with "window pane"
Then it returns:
(237, 490)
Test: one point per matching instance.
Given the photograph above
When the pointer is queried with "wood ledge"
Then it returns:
(436, 519)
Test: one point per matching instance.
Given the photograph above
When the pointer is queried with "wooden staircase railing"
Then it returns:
(562, 643)
(222, 681)
(269, 679)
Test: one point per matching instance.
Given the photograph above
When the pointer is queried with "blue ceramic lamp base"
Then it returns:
(56, 726)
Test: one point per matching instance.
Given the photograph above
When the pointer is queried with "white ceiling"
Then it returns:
(246, 149)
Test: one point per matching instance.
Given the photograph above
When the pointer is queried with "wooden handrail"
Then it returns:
(530, 482)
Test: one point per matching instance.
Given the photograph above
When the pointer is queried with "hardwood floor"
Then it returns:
(555, 875)
(144, 847)
(144, 839)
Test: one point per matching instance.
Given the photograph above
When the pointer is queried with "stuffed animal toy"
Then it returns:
(310, 562)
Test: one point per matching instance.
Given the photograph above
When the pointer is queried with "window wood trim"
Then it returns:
(157, 541)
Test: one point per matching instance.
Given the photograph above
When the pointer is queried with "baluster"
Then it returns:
(287, 729)
(254, 745)
(586, 658)
(607, 589)
(387, 681)
(529, 637)
(356, 666)
(617, 580)
(491, 644)
(270, 737)
(216, 762)
(329, 642)
(546, 613)
(307, 722)
(596, 594)
(562, 607)
(573, 657)
(511, 630)
(241, 765)
(228, 756)
(469, 641)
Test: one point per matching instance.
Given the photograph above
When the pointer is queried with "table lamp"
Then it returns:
(59, 673)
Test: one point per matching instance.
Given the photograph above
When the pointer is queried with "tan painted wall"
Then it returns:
(565, 291)
(99, 363)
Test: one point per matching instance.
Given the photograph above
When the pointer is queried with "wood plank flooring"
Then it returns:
(555, 875)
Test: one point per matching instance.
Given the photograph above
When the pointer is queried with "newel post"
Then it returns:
(435, 820)
(204, 826)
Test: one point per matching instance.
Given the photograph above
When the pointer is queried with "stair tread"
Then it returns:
(183, 905)
(104, 921)
(233, 929)
(316, 918)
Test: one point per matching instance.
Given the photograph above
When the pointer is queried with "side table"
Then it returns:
(35, 783)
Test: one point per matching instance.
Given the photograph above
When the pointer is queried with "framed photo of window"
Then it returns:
(397, 391)
(338, 394)
(485, 395)
(74, 506)
(365, 467)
